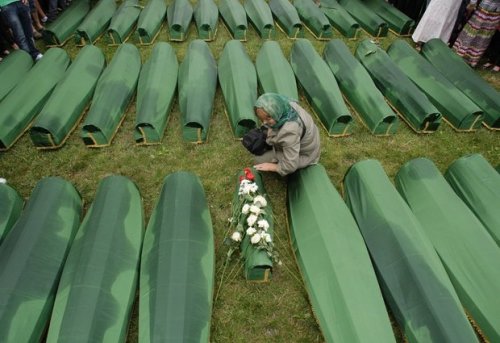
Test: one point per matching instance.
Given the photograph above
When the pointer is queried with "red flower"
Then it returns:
(248, 174)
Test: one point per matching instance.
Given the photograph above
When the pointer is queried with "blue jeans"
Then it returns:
(17, 16)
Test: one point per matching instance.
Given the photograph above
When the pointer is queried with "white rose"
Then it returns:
(243, 190)
(245, 209)
(260, 201)
(253, 187)
(236, 236)
(255, 209)
(251, 231)
(263, 224)
(251, 219)
(2, 180)
(244, 187)
(255, 238)
(267, 237)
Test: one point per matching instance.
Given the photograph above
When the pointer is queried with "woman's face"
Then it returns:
(265, 118)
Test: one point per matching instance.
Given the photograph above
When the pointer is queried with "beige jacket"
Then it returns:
(289, 150)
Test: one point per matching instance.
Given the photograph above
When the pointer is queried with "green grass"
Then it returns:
(278, 311)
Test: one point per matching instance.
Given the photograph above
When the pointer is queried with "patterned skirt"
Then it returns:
(476, 35)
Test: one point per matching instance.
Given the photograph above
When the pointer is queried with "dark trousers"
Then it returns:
(53, 5)
(492, 54)
(6, 39)
(17, 16)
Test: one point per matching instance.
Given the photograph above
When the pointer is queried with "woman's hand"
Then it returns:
(273, 167)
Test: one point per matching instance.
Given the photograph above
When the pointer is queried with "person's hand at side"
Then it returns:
(267, 166)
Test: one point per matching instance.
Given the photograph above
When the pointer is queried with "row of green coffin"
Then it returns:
(97, 284)
(419, 87)
(433, 248)
(84, 277)
(375, 16)
(88, 24)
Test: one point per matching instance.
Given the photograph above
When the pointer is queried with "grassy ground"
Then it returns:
(278, 311)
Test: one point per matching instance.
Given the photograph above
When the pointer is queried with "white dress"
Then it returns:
(438, 21)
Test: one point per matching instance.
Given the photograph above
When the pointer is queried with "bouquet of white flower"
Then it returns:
(251, 227)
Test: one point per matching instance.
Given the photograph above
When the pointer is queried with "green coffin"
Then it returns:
(258, 264)
(466, 79)
(155, 94)
(62, 29)
(123, 21)
(477, 183)
(179, 15)
(403, 94)
(25, 101)
(238, 81)
(365, 16)
(99, 281)
(68, 101)
(96, 22)
(11, 204)
(287, 18)
(177, 267)
(467, 251)
(206, 16)
(32, 257)
(114, 91)
(359, 89)
(333, 259)
(397, 21)
(320, 87)
(340, 18)
(260, 16)
(274, 72)
(13, 69)
(413, 279)
(150, 21)
(314, 19)
(197, 84)
(234, 16)
(457, 109)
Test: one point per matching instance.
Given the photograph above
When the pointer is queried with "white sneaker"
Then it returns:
(38, 57)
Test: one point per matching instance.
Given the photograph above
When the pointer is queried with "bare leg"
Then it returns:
(41, 13)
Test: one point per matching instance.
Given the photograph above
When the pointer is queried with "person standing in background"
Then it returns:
(492, 54)
(437, 22)
(6, 41)
(16, 14)
(476, 35)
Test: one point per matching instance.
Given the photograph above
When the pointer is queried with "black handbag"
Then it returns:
(255, 141)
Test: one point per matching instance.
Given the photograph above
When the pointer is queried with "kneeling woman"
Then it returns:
(292, 134)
